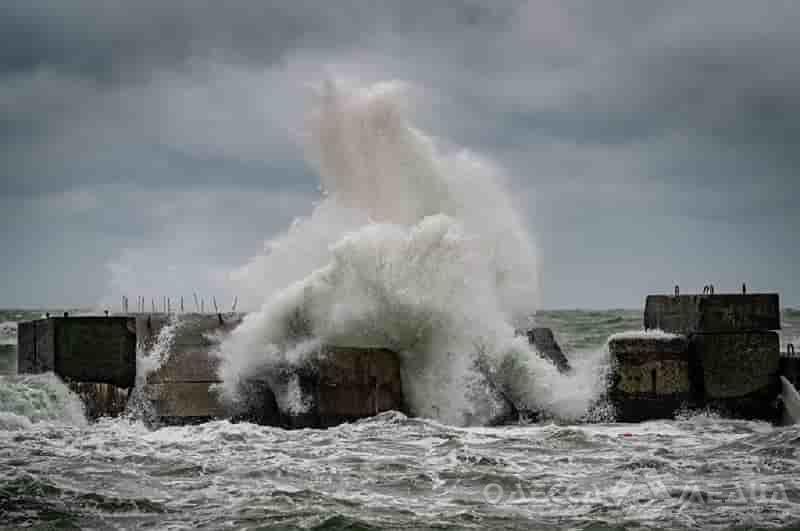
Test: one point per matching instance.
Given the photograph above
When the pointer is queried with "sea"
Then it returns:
(58, 471)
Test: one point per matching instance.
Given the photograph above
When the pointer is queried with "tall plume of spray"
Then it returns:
(413, 249)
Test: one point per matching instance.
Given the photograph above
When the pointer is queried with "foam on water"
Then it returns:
(36, 398)
(643, 334)
(415, 249)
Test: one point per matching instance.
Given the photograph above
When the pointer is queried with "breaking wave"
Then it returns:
(413, 248)
(32, 398)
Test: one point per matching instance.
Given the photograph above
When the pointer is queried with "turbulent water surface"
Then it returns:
(57, 471)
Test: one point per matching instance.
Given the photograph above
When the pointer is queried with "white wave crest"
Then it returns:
(414, 249)
(34, 398)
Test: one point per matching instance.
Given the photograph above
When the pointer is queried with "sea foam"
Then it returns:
(412, 248)
(32, 398)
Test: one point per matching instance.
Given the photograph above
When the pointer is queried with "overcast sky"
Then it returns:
(150, 147)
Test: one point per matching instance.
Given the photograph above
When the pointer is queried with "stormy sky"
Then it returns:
(151, 147)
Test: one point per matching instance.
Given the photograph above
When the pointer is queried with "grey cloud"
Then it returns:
(630, 128)
(116, 41)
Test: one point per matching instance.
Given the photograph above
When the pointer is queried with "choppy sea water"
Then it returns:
(56, 471)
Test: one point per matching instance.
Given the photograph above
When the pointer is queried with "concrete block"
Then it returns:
(547, 346)
(187, 366)
(81, 349)
(688, 314)
(191, 350)
(192, 330)
(185, 400)
(96, 349)
(739, 373)
(343, 384)
(652, 376)
(36, 346)
(359, 382)
(735, 365)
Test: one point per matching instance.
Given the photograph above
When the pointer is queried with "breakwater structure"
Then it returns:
(170, 360)
(696, 351)
(716, 351)
(97, 358)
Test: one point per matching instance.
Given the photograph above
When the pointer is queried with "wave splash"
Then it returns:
(413, 248)
(33, 398)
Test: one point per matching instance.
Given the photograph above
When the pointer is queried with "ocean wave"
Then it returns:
(415, 249)
(38, 398)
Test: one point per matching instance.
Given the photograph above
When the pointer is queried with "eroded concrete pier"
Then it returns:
(726, 350)
(652, 379)
(97, 356)
(81, 349)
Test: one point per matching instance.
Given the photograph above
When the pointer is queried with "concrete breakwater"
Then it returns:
(178, 372)
(97, 358)
(697, 351)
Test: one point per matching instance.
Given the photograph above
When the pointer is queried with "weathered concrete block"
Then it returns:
(357, 383)
(187, 366)
(190, 355)
(81, 349)
(546, 344)
(652, 376)
(36, 346)
(688, 314)
(739, 372)
(342, 385)
(192, 330)
(185, 400)
(96, 349)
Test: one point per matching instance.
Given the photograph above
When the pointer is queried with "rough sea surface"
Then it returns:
(391, 472)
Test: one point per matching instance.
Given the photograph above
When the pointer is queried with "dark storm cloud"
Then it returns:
(114, 41)
(75, 73)
(118, 41)
(682, 116)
